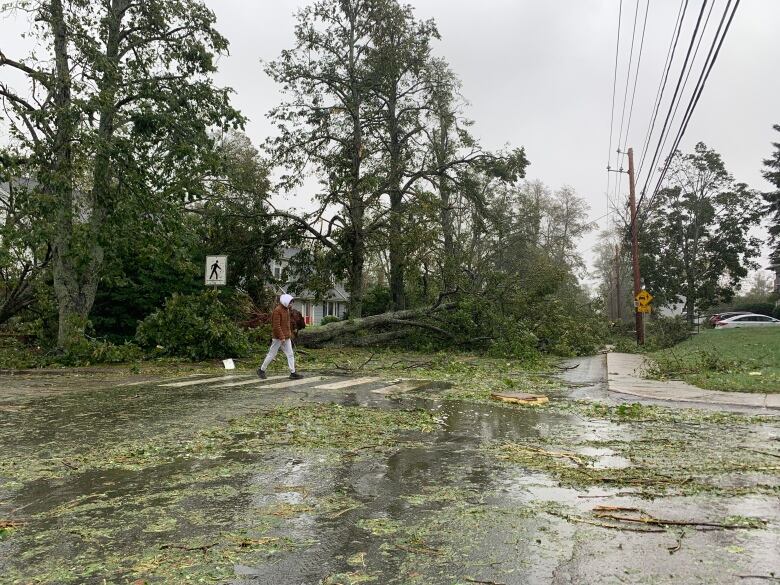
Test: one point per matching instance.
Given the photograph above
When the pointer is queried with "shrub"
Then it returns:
(96, 351)
(776, 312)
(759, 308)
(260, 335)
(516, 342)
(663, 332)
(329, 319)
(376, 300)
(197, 326)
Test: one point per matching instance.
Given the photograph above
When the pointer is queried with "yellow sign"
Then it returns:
(643, 298)
(643, 309)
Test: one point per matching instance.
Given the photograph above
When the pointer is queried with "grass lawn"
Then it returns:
(735, 360)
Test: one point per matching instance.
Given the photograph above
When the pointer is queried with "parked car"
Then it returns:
(749, 320)
(721, 316)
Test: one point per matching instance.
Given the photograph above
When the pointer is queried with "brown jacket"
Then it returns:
(280, 322)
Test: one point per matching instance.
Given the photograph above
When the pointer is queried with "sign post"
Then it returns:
(216, 270)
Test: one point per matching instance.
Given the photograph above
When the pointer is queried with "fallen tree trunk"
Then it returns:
(374, 330)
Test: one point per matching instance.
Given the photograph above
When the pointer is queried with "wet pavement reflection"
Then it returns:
(439, 508)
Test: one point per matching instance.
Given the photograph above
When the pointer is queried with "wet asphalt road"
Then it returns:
(442, 510)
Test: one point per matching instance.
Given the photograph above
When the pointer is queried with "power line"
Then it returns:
(614, 83)
(636, 76)
(628, 73)
(690, 69)
(667, 119)
(708, 65)
(664, 77)
(614, 88)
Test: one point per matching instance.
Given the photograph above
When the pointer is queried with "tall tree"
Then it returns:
(401, 87)
(695, 241)
(323, 125)
(117, 117)
(772, 198)
(463, 175)
(612, 266)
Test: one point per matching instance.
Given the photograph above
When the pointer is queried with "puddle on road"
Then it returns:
(174, 499)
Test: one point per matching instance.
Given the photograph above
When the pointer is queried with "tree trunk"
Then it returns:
(449, 262)
(357, 245)
(397, 252)
(58, 180)
(361, 332)
(75, 296)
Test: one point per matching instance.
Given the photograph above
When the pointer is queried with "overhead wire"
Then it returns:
(690, 69)
(614, 92)
(636, 75)
(706, 70)
(662, 85)
(628, 73)
(668, 116)
(612, 203)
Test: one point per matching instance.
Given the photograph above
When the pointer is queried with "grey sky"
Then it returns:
(539, 74)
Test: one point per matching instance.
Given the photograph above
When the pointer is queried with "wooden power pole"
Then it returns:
(640, 330)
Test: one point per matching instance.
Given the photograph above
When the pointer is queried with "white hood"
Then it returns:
(286, 300)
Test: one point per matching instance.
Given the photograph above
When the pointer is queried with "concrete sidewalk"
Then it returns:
(624, 375)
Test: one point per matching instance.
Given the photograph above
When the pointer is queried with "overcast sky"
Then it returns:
(539, 74)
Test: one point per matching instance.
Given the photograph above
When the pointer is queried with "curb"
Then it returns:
(622, 382)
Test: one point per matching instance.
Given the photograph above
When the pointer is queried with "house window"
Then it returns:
(331, 309)
(276, 269)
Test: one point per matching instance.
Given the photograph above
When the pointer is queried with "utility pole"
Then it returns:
(640, 331)
(618, 292)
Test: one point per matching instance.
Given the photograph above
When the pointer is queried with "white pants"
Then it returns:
(286, 346)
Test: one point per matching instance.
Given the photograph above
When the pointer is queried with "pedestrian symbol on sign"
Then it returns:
(216, 270)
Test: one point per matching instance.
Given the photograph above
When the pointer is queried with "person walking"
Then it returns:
(282, 337)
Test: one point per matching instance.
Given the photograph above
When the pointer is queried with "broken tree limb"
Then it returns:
(662, 522)
(673, 549)
(369, 330)
(422, 325)
(536, 450)
(582, 520)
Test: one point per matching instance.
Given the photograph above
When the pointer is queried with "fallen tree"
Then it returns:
(376, 329)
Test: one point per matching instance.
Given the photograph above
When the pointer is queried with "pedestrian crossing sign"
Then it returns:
(216, 270)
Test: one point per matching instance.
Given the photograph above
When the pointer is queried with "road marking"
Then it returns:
(137, 383)
(346, 383)
(291, 383)
(399, 388)
(254, 380)
(154, 380)
(201, 381)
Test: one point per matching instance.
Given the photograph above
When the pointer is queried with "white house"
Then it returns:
(334, 304)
